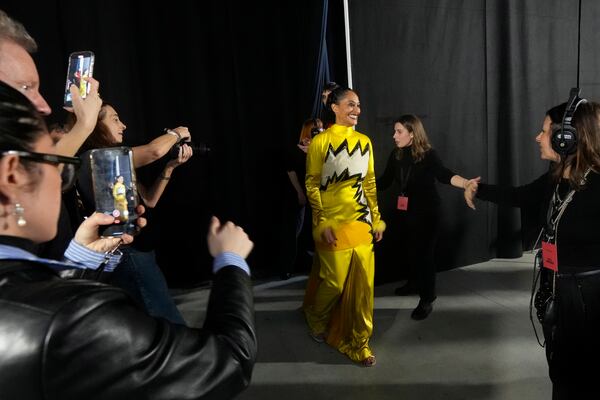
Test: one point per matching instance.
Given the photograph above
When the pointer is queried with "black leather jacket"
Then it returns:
(80, 339)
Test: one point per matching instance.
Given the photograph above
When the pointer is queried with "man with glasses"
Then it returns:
(18, 70)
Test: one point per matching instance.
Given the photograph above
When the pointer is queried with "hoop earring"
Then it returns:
(19, 211)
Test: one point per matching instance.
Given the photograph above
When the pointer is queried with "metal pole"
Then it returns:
(347, 31)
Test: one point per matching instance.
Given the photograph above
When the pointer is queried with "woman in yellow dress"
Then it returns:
(120, 199)
(340, 185)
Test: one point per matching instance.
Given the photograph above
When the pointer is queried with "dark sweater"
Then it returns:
(578, 241)
(296, 161)
(420, 188)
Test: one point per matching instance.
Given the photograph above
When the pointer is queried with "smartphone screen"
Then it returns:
(81, 68)
(114, 188)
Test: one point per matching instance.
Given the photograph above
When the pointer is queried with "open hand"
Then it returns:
(471, 190)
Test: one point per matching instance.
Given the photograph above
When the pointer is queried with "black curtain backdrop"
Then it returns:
(240, 74)
(481, 75)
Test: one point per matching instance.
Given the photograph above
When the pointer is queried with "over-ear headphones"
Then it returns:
(564, 137)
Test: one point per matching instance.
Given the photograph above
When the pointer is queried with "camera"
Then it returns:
(315, 131)
(200, 149)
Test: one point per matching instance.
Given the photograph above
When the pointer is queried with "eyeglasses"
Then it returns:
(67, 165)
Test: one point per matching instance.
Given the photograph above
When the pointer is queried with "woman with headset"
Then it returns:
(568, 197)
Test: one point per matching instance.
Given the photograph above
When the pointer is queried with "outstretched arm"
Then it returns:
(459, 182)
(156, 149)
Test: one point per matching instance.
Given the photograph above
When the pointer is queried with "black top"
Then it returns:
(21, 243)
(578, 240)
(296, 161)
(419, 182)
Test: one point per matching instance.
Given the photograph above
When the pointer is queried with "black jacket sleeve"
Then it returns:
(441, 173)
(101, 346)
(521, 196)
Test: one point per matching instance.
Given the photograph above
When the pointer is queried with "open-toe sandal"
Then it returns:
(318, 337)
(369, 361)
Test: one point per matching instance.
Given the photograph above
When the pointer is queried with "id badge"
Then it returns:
(402, 203)
(549, 256)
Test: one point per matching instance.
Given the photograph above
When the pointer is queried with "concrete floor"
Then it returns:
(477, 344)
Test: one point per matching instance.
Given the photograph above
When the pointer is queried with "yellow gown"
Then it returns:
(340, 183)
(120, 200)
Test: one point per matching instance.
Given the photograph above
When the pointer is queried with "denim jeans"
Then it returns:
(140, 276)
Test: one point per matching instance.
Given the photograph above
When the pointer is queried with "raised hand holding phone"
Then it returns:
(115, 189)
(79, 72)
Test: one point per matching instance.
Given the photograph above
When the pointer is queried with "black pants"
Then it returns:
(296, 238)
(572, 345)
(418, 233)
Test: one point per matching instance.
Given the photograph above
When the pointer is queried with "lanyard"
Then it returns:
(556, 209)
(404, 179)
(555, 212)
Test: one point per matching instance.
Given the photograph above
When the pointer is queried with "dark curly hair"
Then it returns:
(100, 136)
(336, 96)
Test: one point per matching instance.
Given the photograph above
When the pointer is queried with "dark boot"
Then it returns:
(422, 311)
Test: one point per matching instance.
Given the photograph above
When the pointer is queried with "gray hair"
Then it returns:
(15, 31)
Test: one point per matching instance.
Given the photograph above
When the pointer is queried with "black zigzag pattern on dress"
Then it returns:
(363, 208)
(345, 174)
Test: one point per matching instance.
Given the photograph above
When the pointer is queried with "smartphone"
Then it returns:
(81, 68)
(114, 188)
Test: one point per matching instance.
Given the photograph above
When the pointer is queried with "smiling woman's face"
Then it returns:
(348, 109)
(113, 124)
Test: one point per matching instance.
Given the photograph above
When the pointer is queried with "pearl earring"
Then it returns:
(19, 211)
